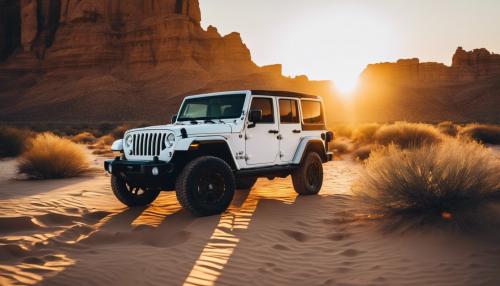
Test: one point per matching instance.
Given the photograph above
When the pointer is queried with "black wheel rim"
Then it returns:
(313, 175)
(135, 191)
(211, 187)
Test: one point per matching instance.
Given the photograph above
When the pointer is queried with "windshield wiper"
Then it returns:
(194, 122)
(209, 121)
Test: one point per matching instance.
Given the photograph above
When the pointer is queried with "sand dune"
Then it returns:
(74, 232)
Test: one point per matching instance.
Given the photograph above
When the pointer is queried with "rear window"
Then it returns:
(312, 112)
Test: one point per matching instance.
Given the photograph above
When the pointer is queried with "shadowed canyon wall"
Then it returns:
(10, 27)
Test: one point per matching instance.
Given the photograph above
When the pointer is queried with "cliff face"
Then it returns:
(92, 60)
(90, 33)
(10, 27)
(468, 90)
(467, 67)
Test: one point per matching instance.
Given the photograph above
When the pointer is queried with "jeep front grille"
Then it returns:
(148, 144)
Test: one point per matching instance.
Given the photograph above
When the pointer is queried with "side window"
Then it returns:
(289, 111)
(266, 105)
(312, 112)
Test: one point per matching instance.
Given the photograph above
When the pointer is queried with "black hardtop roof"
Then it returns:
(284, 94)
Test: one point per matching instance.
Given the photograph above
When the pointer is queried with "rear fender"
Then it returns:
(310, 144)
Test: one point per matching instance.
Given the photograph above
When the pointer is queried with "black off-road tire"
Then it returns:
(245, 183)
(308, 178)
(206, 186)
(132, 196)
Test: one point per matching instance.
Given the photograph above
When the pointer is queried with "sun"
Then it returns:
(346, 86)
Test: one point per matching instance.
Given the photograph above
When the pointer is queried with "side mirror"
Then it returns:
(255, 116)
(174, 119)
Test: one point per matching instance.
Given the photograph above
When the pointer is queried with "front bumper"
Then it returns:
(146, 174)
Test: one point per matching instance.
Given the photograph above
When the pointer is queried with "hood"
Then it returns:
(192, 129)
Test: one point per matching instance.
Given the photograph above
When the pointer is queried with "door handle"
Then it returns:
(274, 131)
(296, 131)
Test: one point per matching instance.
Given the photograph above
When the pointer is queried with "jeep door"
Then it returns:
(290, 128)
(262, 144)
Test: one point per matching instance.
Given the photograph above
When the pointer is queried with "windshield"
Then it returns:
(212, 107)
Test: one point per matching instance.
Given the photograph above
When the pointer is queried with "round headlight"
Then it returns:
(170, 140)
(129, 141)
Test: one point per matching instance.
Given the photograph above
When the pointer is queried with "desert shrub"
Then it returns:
(106, 140)
(365, 133)
(84, 138)
(103, 146)
(13, 141)
(103, 152)
(441, 178)
(449, 128)
(407, 135)
(343, 130)
(119, 131)
(362, 153)
(51, 157)
(341, 146)
(487, 134)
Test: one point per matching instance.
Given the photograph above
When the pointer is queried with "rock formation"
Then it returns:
(466, 67)
(10, 27)
(93, 60)
(126, 60)
(468, 90)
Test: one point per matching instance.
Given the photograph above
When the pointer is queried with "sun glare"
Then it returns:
(346, 86)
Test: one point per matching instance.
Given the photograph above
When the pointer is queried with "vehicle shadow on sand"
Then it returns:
(162, 232)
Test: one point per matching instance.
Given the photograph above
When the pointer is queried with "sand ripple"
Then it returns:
(74, 232)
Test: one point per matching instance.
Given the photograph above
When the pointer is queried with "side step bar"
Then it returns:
(274, 171)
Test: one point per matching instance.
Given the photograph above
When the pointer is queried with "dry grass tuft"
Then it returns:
(341, 146)
(407, 135)
(443, 178)
(119, 132)
(365, 133)
(106, 140)
(362, 153)
(486, 134)
(343, 130)
(103, 146)
(84, 138)
(103, 152)
(13, 141)
(52, 157)
(448, 128)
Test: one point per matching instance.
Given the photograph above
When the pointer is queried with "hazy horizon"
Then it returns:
(336, 39)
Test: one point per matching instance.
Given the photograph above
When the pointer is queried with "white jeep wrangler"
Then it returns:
(221, 142)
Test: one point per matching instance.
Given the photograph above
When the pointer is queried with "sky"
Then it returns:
(336, 39)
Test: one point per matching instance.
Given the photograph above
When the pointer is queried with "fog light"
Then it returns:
(155, 171)
(110, 169)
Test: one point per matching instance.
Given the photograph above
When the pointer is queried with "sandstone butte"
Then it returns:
(95, 60)
(466, 67)
(468, 90)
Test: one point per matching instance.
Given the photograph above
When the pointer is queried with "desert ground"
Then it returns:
(74, 232)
